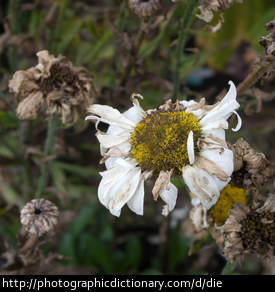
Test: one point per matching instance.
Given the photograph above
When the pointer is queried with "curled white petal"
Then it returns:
(239, 124)
(169, 196)
(223, 110)
(111, 116)
(231, 94)
(190, 148)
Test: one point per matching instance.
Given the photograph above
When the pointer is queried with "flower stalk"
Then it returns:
(185, 24)
(53, 126)
(254, 76)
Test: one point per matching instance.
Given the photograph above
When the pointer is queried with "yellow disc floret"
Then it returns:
(159, 141)
(228, 196)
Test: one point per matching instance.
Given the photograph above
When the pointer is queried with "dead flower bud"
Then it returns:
(39, 216)
(53, 87)
(250, 231)
(144, 8)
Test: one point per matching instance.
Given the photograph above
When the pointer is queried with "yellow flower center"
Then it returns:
(159, 141)
(228, 196)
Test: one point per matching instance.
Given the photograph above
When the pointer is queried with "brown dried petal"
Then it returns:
(211, 167)
(22, 83)
(162, 180)
(28, 108)
(251, 169)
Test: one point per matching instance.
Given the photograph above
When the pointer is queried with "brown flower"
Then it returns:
(268, 42)
(53, 87)
(250, 231)
(251, 169)
(39, 216)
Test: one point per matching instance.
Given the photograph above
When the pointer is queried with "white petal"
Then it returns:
(110, 162)
(219, 124)
(221, 183)
(119, 184)
(137, 201)
(125, 189)
(133, 114)
(195, 202)
(169, 196)
(239, 122)
(224, 109)
(223, 159)
(186, 103)
(201, 184)
(216, 133)
(231, 94)
(190, 148)
(108, 141)
(111, 116)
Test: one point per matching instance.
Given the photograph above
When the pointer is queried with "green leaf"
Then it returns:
(84, 218)
(67, 33)
(132, 257)
(67, 247)
(93, 251)
(178, 247)
(9, 194)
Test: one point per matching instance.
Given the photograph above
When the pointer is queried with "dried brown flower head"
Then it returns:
(53, 87)
(251, 169)
(144, 8)
(268, 42)
(208, 7)
(39, 216)
(250, 231)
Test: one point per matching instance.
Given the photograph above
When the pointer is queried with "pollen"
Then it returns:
(228, 196)
(159, 141)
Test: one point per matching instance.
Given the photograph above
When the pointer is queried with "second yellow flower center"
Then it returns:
(159, 141)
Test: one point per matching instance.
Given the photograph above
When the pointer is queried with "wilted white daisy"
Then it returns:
(185, 138)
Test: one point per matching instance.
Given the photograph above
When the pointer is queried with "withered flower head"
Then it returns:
(144, 8)
(39, 216)
(251, 169)
(250, 231)
(53, 87)
(185, 138)
(268, 42)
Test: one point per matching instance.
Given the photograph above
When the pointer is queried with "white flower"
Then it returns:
(184, 138)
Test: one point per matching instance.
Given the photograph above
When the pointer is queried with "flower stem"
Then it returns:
(185, 24)
(134, 52)
(53, 125)
(229, 268)
(255, 75)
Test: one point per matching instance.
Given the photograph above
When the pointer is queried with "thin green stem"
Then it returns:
(48, 151)
(185, 24)
(229, 268)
